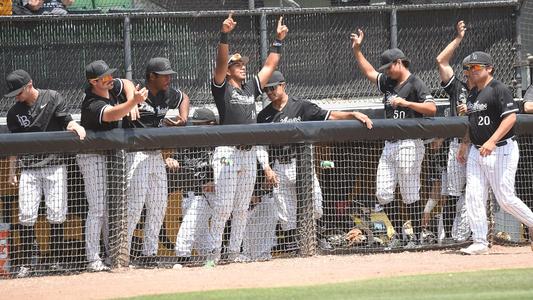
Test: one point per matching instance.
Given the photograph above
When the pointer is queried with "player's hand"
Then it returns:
(436, 143)
(12, 179)
(134, 113)
(461, 29)
(140, 95)
(209, 187)
(271, 177)
(80, 131)
(177, 121)
(255, 200)
(357, 39)
(398, 102)
(462, 153)
(364, 119)
(487, 148)
(172, 163)
(461, 109)
(282, 30)
(229, 24)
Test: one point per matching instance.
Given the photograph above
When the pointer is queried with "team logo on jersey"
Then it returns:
(237, 98)
(476, 107)
(291, 120)
(24, 121)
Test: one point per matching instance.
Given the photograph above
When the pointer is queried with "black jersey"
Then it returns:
(92, 107)
(413, 90)
(154, 109)
(48, 113)
(294, 111)
(528, 97)
(486, 110)
(457, 91)
(195, 168)
(236, 106)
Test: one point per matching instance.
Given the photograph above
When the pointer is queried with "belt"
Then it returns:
(244, 147)
(500, 143)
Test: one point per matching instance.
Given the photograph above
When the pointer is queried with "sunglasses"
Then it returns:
(474, 67)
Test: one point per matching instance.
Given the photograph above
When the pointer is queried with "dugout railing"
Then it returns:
(334, 160)
(317, 59)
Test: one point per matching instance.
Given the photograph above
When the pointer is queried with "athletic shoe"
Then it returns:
(23, 272)
(411, 245)
(97, 266)
(427, 237)
(476, 249)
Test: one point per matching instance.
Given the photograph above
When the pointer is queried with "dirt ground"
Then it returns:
(275, 273)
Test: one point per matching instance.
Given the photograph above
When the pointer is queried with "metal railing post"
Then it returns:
(127, 48)
(394, 28)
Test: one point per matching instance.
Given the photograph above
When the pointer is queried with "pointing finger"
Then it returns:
(230, 15)
(280, 21)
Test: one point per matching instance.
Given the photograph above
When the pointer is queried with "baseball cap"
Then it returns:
(203, 115)
(275, 79)
(480, 57)
(16, 81)
(97, 69)
(235, 58)
(466, 60)
(388, 57)
(159, 65)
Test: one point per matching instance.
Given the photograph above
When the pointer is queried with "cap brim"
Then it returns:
(273, 84)
(14, 93)
(108, 72)
(385, 67)
(244, 60)
(167, 72)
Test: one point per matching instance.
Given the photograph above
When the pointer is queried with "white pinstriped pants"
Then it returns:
(496, 170)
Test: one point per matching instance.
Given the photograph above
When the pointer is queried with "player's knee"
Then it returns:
(384, 197)
(27, 219)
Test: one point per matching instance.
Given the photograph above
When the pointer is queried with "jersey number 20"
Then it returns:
(483, 121)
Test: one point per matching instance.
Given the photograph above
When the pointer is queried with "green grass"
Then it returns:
(499, 284)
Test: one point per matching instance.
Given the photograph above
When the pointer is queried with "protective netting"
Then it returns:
(317, 59)
(194, 206)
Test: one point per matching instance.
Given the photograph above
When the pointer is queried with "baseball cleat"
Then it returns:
(23, 272)
(97, 266)
(475, 249)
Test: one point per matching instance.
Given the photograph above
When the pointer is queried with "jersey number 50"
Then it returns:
(399, 114)
(483, 121)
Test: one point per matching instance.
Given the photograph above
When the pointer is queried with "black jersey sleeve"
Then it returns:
(313, 112)
(257, 86)
(175, 98)
(422, 92)
(529, 94)
(12, 122)
(218, 92)
(505, 97)
(383, 81)
(61, 112)
(94, 112)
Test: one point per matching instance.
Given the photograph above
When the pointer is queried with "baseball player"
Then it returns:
(405, 96)
(525, 164)
(287, 109)
(195, 174)
(147, 178)
(107, 101)
(38, 110)
(526, 106)
(454, 180)
(235, 167)
(493, 156)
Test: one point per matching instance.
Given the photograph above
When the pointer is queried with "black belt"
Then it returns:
(244, 147)
(498, 144)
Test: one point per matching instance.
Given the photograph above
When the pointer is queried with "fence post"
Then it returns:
(263, 36)
(251, 4)
(394, 28)
(305, 208)
(127, 48)
(517, 81)
(116, 207)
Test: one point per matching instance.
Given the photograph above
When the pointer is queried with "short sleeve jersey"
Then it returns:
(236, 105)
(487, 108)
(92, 107)
(195, 168)
(413, 90)
(154, 109)
(457, 91)
(294, 111)
(48, 113)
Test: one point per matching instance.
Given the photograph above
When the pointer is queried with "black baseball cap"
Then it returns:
(480, 57)
(203, 115)
(275, 79)
(159, 65)
(97, 69)
(237, 57)
(466, 60)
(388, 57)
(16, 81)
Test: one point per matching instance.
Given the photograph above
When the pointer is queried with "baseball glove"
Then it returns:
(355, 237)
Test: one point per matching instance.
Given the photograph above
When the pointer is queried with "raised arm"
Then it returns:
(273, 58)
(365, 67)
(221, 67)
(134, 96)
(443, 59)
(342, 115)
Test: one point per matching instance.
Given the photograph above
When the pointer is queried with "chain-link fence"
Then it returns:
(196, 201)
(317, 59)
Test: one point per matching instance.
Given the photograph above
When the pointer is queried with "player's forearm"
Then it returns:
(184, 108)
(506, 125)
(341, 115)
(528, 107)
(221, 63)
(269, 67)
(366, 68)
(117, 112)
(443, 60)
(12, 165)
(427, 108)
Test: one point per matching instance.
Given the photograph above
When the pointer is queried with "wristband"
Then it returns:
(223, 38)
(276, 46)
